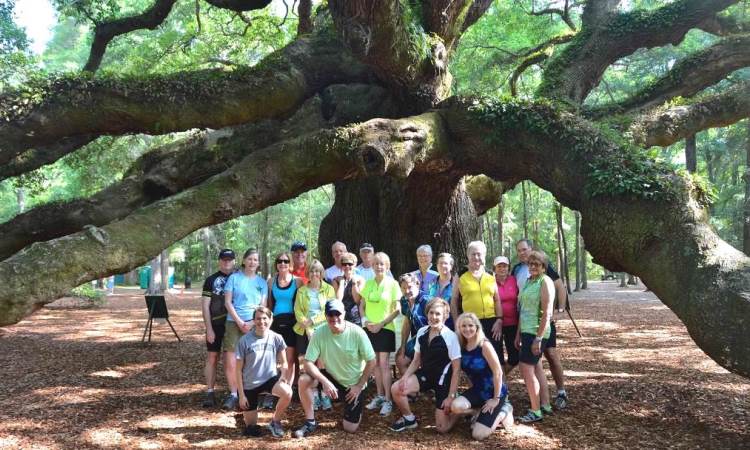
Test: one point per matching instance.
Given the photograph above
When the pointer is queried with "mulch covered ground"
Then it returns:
(75, 378)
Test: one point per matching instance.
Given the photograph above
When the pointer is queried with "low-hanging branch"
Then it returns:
(40, 156)
(665, 126)
(161, 104)
(721, 25)
(574, 72)
(688, 76)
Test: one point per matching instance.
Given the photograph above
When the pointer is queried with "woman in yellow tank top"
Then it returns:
(477, 293)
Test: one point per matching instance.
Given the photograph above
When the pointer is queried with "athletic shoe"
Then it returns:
(316, 400)
(404, 424)
(269, 402)
(276, 429)
(325, 402)
(547, 410)
(251, 431)
(561, 401)
(386, 409)
(305, 430)
(507, 421)
(210, 400)
(530, 417)
(375, 403)
(230, 403)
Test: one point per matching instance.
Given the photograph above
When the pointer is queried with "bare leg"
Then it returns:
(555, 366)
(402, 362)
(291, 357)
(385, 370)
(401, 396)
(230, 370)
(542, 378)
(212, 361)
(444, 422)
(250, 417)
(284, 392)
(532, 385)
(306, 386)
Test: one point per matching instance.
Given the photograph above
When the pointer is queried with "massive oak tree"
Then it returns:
(361, 98)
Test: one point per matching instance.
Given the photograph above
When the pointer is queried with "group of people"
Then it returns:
(341, 323)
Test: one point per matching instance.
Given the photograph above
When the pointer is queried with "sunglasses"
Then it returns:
(347, 264)
(282, 261)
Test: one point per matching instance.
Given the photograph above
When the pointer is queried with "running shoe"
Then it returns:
(547, 410)
(230, 403)
(251, 431)
(325, 402)
(306, 429)
(530, 417)
(561, 401)
(210, 400)
(386, 408)
(316, 400)
(404, 424)
(276, 429)
(375, 403)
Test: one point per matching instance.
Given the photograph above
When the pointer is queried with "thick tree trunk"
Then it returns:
(397, 216)
(746, 210)
(578, 250)
(164, 271)
(584, 266)
(691, 157)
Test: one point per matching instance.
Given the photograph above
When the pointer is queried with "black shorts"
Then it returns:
(497, 344)
(284, 325)
(527, 356)
(219, 326)
(509, 339)
(352, 410)
(477, 402)
(302, 342)
(252, 394)
(382, 341)
(429, 382)
(552, 341)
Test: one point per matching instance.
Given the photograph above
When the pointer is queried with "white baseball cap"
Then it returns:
(501, 260)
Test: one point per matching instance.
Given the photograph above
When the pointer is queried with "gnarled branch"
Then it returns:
(666, 126)
(38, 157)
(273, 89)
(721, 25)
(688, 76)
(563, 13)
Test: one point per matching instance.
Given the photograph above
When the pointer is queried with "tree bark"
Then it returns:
(164, 270)
(746, 210)
(691, 156)
(579, 260)
(525, 214)
(500, 217)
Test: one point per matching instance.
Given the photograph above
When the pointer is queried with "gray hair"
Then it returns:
(425, 248)
(479, 245)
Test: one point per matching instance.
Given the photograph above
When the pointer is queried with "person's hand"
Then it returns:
(490, 405)
(517, 342)
(244, 404)
(536, 348)
(353, 393)
(447, 405)
(400, 351)
(246, 327)
(497, 329)
(210, 335)
(374, 327)
(329, 389)
(307, 323)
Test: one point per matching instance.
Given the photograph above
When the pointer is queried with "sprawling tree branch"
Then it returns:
(476, 11)
(660, 232)
(448, 19)
(607, 36)
(240, 5)
(688, 76)
(174, 167)
(721, 25)
(668, 125)
(563, 13)
(485, 192)
(273, 89)
(40, 156)
(104, 32)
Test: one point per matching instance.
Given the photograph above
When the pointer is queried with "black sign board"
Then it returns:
(157, 309)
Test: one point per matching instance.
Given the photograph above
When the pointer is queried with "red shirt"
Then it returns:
(301, 273)
(509, 300)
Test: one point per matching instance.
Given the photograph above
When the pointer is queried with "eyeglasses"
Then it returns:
(535, 264)
(347, 264)
(282, 261)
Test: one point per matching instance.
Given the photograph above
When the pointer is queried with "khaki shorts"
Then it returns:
(232, 335)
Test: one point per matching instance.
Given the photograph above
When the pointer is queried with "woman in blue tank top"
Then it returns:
(488, 395)
(282, 289)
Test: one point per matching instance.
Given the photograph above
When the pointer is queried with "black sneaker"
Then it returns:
(305, 430)
(210, 400)
(251, 431)
(404, 424)
(561, 401)
(230, 403)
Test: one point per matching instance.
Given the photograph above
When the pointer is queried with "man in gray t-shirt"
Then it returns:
(259, 354)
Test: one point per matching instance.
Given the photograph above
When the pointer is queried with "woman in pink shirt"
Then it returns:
(508, 290)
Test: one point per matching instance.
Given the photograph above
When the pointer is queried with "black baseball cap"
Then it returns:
(335, 305)
(366, 246)
(227, 253)
(298, 245)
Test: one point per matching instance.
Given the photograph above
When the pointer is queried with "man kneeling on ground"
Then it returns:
(261, 363)
(349, 359)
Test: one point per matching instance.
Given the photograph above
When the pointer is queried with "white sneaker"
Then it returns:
(386, 408)
(375, 403)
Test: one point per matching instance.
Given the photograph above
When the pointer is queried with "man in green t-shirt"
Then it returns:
(349, 360)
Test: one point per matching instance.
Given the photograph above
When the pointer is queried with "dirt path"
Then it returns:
(74, 378)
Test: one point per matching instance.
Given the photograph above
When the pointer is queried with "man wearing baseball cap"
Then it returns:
(214, 317)
(299, 260)
(366, 254)
(349, 359)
